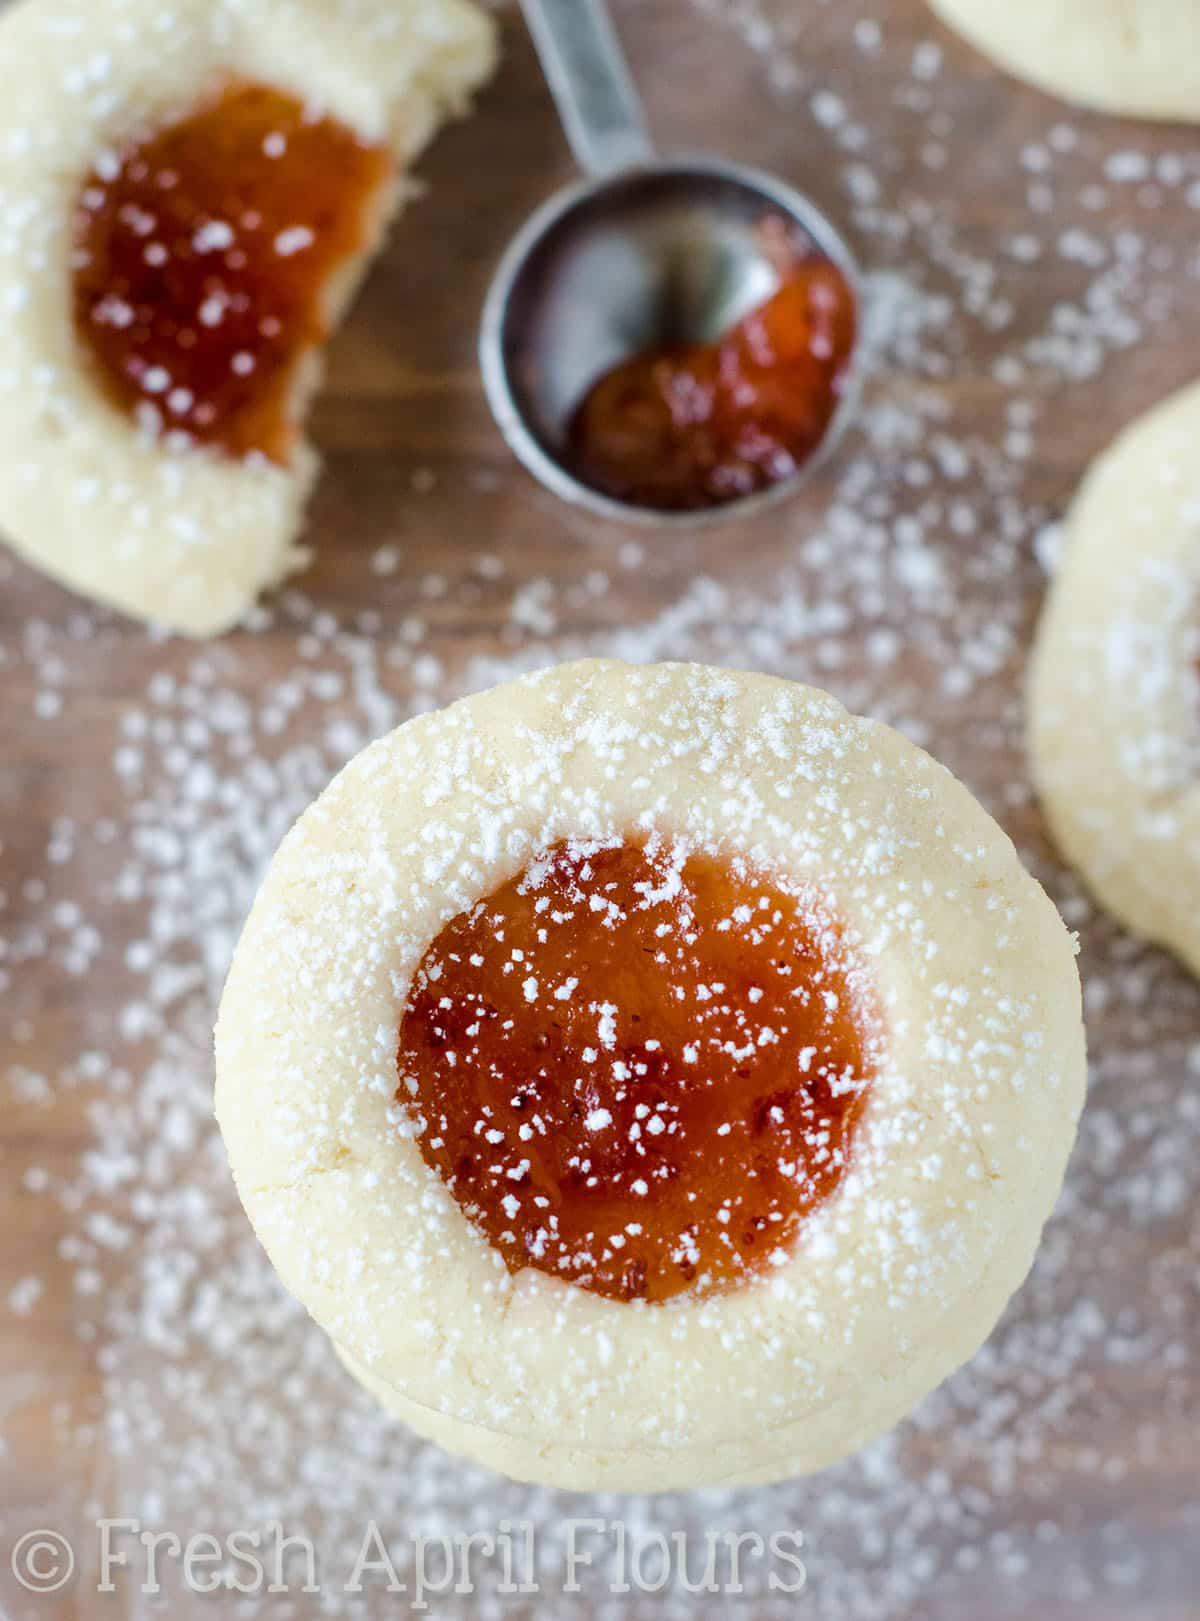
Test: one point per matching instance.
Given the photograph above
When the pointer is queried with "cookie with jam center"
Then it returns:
(650, 1077)
(192, 192)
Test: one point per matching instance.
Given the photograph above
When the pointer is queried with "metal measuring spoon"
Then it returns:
(644, 251)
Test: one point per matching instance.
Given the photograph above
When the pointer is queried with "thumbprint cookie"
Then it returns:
(192, 190)
(1114, 691)
(650, 1077)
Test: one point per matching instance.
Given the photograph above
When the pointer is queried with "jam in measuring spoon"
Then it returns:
(686, 426)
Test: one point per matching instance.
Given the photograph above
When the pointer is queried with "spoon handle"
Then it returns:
(590, 82)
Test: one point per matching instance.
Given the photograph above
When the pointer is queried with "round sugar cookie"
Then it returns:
(1133, 57)
(650, 1077)
(191, 192)
(1114, 689)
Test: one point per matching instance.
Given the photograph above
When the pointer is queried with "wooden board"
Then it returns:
(1034, 283)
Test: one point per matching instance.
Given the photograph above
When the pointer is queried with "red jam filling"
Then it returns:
(638, 1072)
(695, 425)
(203, 256)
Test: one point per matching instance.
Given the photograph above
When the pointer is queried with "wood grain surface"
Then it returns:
(1034, 284)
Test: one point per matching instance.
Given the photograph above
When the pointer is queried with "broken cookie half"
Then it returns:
(190, 192)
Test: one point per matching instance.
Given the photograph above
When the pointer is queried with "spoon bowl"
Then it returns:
(645, 252)
(667, 252)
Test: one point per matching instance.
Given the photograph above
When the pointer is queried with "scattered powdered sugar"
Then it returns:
(1008, 344)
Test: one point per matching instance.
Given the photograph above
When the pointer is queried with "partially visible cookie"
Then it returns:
(1114, 692)
(1135, 57)
(190, 191)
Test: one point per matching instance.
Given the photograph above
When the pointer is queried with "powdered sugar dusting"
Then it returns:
(668, 1140)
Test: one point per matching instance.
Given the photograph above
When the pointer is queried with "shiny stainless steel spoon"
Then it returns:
(644, 251)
